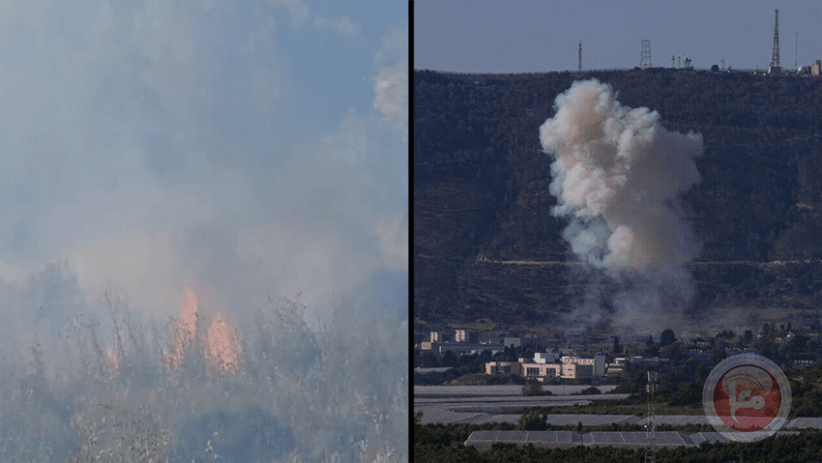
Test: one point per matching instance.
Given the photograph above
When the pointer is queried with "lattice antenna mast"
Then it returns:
(580, 55)
(650, 420)
(645, 59)
(775, 56)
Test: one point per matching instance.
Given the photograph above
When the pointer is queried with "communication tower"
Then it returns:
(723, 63)
(775, 56)
(645, 59)
(679, 61)
(673, 61)
(580, 55)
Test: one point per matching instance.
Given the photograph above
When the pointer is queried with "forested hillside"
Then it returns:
(481, 189)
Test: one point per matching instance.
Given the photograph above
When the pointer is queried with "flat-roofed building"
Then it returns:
(465, 336)
(428, 345)
(547, 357)
(500, 368)
(541, 370)
(573, 370)
(439, 336)
(597, 363)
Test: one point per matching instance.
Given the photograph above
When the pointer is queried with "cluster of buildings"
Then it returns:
(462, 341)
(814, 69)
(546, 365)
(543, 365)
(556, 358)
(459, 341)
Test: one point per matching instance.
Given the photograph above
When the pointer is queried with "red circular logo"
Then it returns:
(747, 398)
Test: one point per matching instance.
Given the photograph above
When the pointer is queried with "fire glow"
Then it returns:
(222, 347)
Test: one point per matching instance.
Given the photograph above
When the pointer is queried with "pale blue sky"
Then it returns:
(255, 147)
(544, 35)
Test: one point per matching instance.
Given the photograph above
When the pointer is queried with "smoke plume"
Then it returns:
(618, 178)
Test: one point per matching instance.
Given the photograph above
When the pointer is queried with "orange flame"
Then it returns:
(112, 360)
(223, 349)
(186, 328)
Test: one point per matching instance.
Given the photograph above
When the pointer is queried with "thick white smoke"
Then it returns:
(619, 176)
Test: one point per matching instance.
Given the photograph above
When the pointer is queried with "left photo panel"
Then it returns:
(204, 231)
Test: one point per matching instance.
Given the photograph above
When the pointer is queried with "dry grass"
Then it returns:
(337, 395)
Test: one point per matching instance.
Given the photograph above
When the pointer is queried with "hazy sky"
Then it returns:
(252, 147)
(544, 35)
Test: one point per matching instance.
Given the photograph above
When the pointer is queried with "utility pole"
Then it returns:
(580, 55)
(650, 421)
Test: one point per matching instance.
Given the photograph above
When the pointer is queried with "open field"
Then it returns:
(497, 403)
(505, 404)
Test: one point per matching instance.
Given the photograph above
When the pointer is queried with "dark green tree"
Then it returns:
(531, 420)
(667, 337)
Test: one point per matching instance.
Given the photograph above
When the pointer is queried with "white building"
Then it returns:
(597, 363)
(551, 365)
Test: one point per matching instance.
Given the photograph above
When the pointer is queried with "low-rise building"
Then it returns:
(428, 345)
(547, 357)
(465, 336)
(439, 336)
(460, 347)
(597, 363)
(551, 365)
(575, 370)
(541, 370)
(500, 368)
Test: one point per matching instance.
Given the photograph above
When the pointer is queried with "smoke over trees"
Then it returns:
(618, 176)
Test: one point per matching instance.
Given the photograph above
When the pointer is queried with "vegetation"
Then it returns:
(437, 443)
(66, 401)
(481, 190)
(639, 408)
(534, 388)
